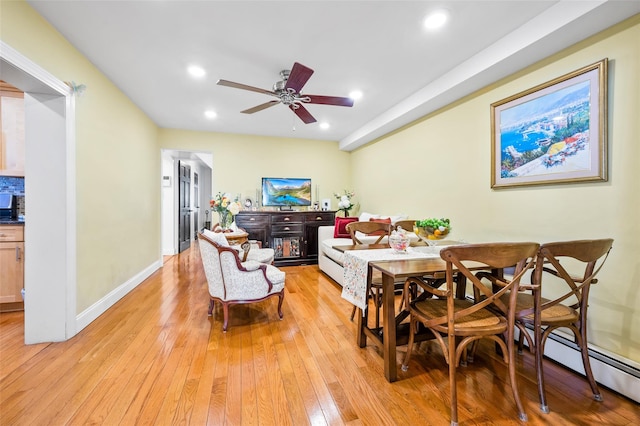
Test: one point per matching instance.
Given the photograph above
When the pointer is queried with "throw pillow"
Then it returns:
(385, 220)
(364, 216)
(340, 230)
(216, 237)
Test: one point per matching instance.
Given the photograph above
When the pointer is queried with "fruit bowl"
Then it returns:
(428, 233)
(432, 230)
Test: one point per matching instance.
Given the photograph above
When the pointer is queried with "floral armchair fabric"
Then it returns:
(232, 282)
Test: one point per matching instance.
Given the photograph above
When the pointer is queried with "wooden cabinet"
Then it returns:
(12, 125)
(256, 224)
(12, 267)
(293, 235)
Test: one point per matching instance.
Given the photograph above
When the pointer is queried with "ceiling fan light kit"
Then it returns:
(289, 92)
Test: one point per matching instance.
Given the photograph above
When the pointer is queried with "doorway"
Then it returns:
(184, 207)
(200, 183)
(50, 240)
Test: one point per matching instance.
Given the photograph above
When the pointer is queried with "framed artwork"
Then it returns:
(552, 133)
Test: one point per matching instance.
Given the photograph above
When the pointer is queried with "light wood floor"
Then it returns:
(156, 358)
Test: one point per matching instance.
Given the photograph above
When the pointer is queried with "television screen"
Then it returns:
(286, 192)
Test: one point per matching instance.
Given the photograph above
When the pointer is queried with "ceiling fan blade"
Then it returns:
(298, 77)
(244, 87)
(260, 107)
(329, 100)
(303, 113)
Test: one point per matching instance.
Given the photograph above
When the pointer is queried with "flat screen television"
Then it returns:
(286, 192)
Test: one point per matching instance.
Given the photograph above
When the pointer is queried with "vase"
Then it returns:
(226, 219)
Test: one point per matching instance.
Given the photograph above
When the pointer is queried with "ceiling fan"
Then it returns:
(288, 92)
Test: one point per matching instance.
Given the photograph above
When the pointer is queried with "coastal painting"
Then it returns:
(552, 133)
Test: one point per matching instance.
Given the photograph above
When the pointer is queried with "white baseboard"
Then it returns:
(94, 311)
(608, 369)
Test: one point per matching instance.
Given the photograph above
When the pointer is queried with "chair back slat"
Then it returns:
(380, 229)
(589, 252)
(495, 256)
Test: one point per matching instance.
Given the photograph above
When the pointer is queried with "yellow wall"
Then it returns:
(240, 161)
(118, 163)
(440, 166)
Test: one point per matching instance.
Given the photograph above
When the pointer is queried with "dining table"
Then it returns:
(394, 267)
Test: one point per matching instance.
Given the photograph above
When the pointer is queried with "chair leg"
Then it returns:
(280, 300)
(539, 353)
(225, 310)
(520, 342)
(353, 312)
(452, 379)
(211, 304)
(378, 303)
(582, 342)
(412, 331)
(513, 377)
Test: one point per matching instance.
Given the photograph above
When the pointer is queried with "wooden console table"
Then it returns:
(292, 234)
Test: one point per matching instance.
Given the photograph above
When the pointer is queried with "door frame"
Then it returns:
(50, 239)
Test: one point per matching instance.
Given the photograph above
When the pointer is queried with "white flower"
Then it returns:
(234, 208)
(345, 199)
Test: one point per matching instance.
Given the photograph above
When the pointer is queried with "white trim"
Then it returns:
(94, 311)
(25, 64)
(605, 374)
(46, 319)
(72, 256)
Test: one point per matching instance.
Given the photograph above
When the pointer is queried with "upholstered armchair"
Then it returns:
(233, 282)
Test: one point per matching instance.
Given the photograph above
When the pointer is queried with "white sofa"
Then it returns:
(330, 261)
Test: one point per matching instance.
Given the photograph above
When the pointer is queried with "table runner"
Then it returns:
(356, 263)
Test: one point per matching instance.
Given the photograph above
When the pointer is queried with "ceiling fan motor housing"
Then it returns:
(289, 93)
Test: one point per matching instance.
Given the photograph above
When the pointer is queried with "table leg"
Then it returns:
(389, 328)
(363, 319)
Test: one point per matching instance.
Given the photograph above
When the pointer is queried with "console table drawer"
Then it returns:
(252, 220)
(285, 229)
(321, 217)
(287, 218)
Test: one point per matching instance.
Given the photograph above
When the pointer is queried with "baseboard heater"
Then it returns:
(620, 376)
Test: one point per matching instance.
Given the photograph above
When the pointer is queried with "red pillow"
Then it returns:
(386, 220)
(340, 230)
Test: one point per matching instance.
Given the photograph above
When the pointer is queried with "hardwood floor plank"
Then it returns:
(156, 358)
(263, 391)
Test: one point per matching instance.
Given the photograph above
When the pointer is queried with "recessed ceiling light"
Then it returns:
(324, 125)
(436, 19)
(196, 71)
(210, 114)
(355, 95)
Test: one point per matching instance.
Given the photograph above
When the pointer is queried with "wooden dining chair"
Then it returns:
(377, 230)
(458, 324)
(555, 274)
(406, 224)
(370, 229)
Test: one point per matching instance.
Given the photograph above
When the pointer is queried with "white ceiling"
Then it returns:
(378, 47)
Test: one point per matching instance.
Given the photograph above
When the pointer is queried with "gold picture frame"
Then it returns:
(553, 133)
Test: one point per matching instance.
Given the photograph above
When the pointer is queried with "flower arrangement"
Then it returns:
(344, 201)
(226, 209)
